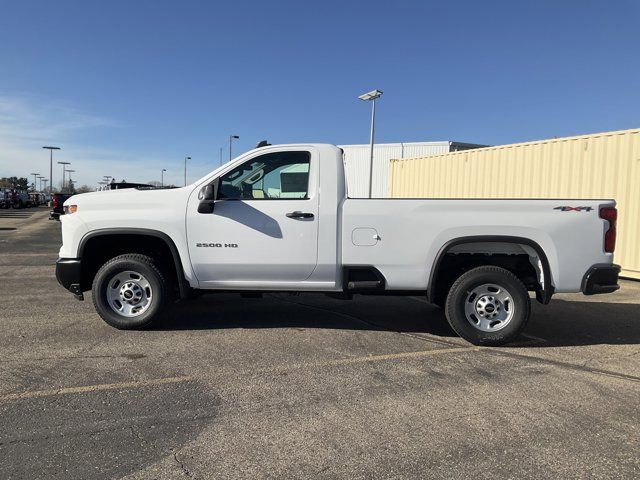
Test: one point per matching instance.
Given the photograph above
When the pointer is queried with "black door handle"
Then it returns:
(299, 214)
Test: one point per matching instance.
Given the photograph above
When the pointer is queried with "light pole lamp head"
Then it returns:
(52, 148)
(164, 169)
(372, 95)
(64, 163)
(187, 158)
(236, 137)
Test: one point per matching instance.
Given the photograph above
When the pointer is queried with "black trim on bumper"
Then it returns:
(68, 274)
(601, 278)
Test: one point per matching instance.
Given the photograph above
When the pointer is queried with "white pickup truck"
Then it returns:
(279, 218)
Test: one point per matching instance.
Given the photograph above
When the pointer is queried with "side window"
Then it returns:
(273, 176)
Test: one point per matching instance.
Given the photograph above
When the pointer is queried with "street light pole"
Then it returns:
(231, 138)
(35, 187)
(371, 96)
(64, 165)
(70, 184)
(162, 177)
(51, 149)
(185, 170)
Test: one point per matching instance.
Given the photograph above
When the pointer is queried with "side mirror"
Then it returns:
(207, 197)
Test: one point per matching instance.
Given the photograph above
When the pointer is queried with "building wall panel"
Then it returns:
(357, 159)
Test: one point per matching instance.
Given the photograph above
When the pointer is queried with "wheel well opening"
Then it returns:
(462, 258)
(100, 249)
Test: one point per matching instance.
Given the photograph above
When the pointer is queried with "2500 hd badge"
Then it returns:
(218, 245)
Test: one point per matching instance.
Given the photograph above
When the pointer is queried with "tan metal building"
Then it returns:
(602, 165)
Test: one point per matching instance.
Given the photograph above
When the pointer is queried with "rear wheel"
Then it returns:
(130, 292)
(488, 306)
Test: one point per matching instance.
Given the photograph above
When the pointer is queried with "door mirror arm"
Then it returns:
(208, 195)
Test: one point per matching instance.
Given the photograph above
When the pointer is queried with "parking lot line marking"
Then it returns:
(372, 358)
(95, 388)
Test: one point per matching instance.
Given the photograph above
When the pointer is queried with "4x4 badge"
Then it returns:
(574, 209)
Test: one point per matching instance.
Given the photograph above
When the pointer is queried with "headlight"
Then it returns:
(69, 209)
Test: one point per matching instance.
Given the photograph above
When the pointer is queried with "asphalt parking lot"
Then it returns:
(306, 386)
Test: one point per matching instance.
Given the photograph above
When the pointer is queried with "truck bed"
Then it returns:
(404, 236)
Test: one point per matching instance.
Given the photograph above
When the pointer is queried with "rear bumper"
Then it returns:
(69, 275)
(601, 278)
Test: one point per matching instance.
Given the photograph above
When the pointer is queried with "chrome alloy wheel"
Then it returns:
(489, 307)
(129, 294)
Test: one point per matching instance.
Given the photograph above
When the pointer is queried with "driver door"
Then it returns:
(264, 225)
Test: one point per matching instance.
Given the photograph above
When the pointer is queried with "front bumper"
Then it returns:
(69, 275)
(601, 278)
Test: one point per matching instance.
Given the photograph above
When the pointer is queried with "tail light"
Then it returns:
(55, 201)
(610, 214)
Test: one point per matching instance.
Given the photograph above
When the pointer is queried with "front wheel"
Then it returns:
(488, 306)
(130, 292)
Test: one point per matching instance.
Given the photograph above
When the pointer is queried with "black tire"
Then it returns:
(144, 266)
(463, 298)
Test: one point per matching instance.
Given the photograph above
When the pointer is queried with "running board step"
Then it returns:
(365, 285)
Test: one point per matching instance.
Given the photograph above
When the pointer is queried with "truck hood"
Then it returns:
(120, 195)
(133, 201)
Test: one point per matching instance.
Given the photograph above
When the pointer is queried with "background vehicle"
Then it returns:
(18, 198)
(37, 199)
(57, 201)
(278, 219)
(5, 202)
(121, 185)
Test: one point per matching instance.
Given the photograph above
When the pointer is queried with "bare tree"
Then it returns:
(84, 189)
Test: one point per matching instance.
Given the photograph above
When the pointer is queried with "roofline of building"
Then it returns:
(417, 144)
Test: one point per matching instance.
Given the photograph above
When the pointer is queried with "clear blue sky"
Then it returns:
(128, 87)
